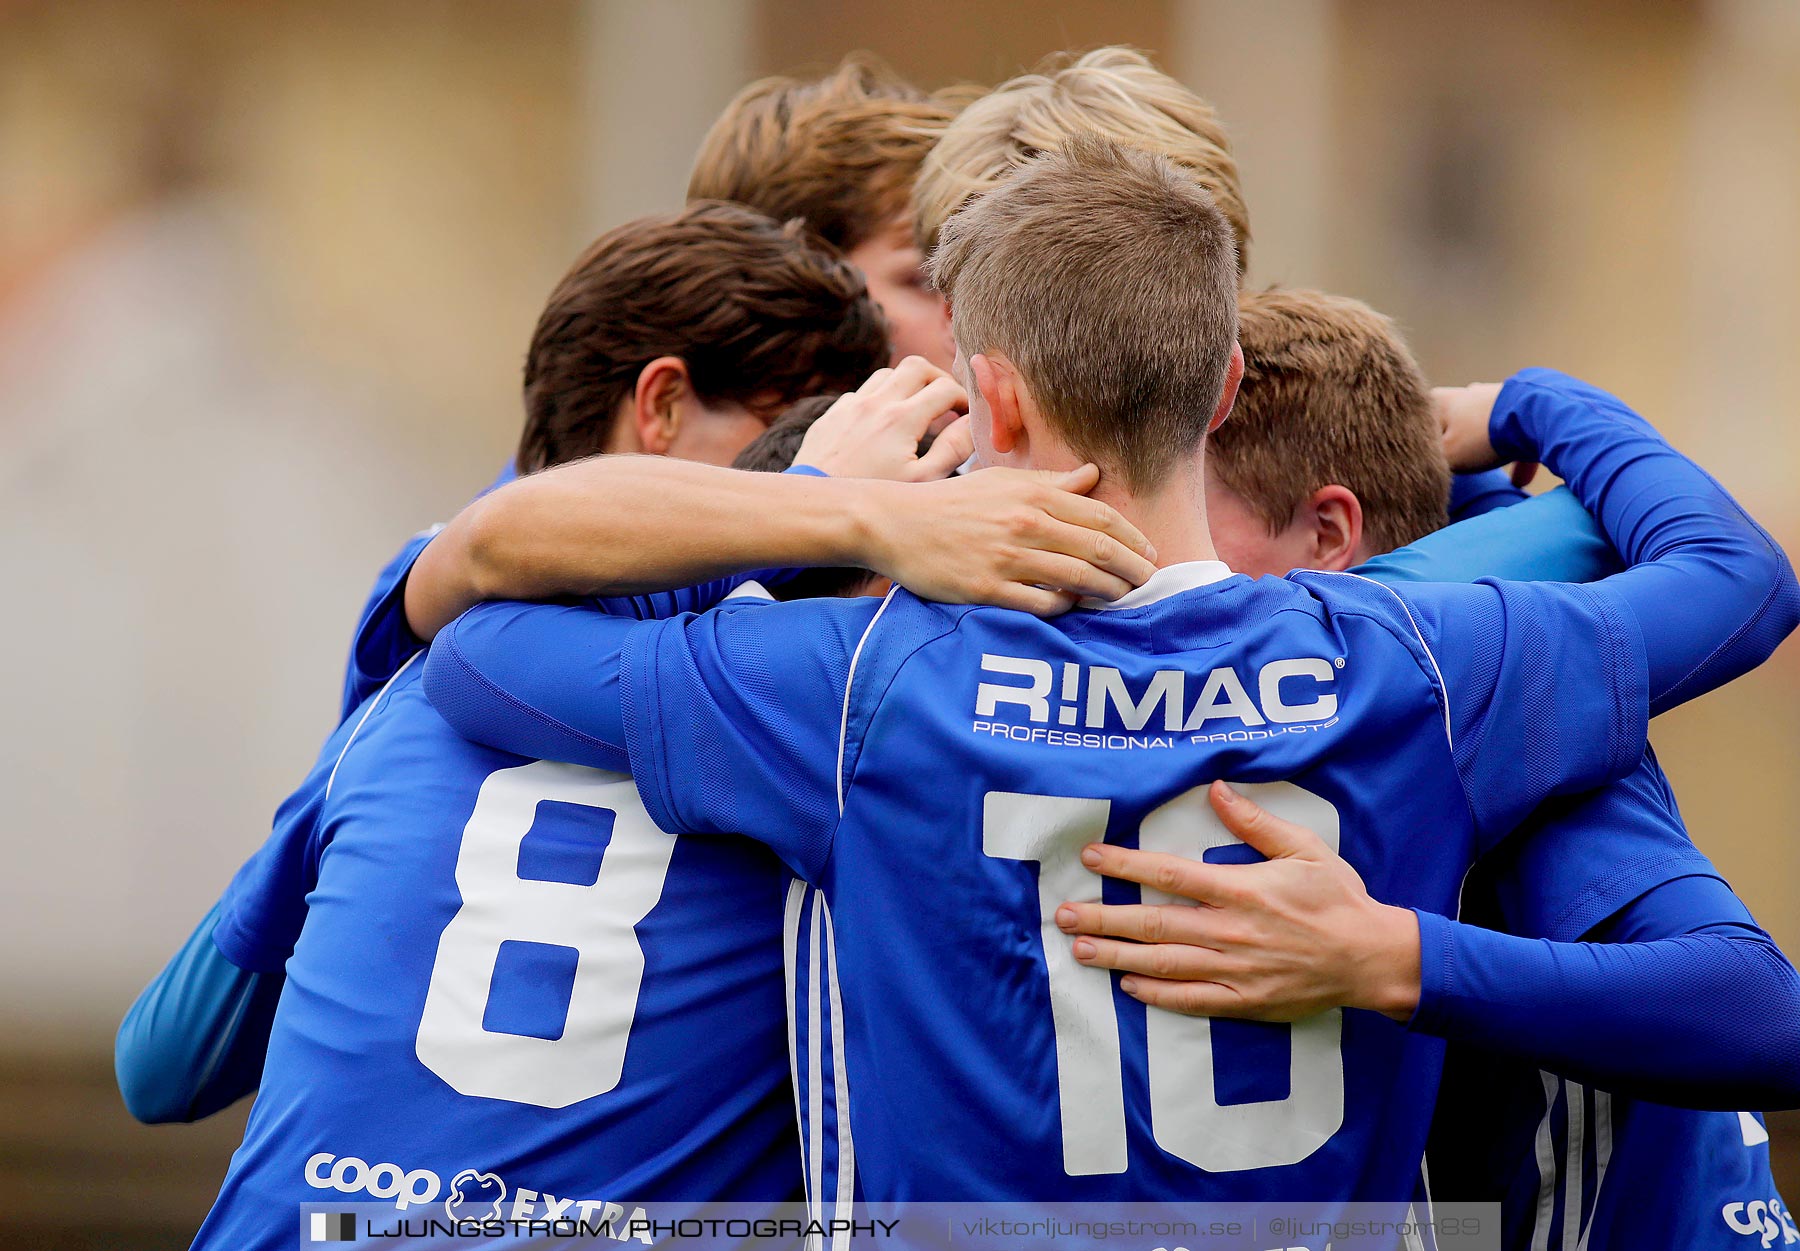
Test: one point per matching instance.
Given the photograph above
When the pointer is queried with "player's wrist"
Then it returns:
(867, 523)
(1516, 425)
(1391, 971)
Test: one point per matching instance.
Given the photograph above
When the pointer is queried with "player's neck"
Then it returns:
(1172, 517)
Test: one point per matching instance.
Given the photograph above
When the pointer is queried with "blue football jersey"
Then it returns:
(935, 771)
(507, 992)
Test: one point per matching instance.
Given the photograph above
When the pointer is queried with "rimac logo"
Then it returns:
(469, 1190)
(1287, 692)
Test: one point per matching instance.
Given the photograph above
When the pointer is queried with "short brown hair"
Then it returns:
(839, 152)
(1109, 279)
(773, 451)
(1113, 92)
(1331, 395)
(760, 312)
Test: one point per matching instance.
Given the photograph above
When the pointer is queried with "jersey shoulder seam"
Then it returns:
(847, 784)
(375, 702)
(1434, 678)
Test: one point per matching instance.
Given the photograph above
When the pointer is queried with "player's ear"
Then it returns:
(1234, 374)
(1334, 516)
(998, 383)
(663, 387)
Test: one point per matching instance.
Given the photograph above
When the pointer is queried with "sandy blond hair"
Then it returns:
(1113, 92)
(839, 152)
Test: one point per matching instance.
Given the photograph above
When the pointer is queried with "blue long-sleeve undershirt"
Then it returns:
(194, 1040)
(1711, 593)
(1678, 998)
(1477, 494)
(1652, 1002)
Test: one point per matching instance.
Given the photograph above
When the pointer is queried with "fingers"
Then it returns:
(1175, 962)
(944, 420)
(1187, 998)
(913, 397)
(1036, 600)
(1103, 518)
(917, 412)
(1143, 923)
(915, 371)
(1080, 481)
(1123, 568)
(1261, 829)
(1463, 415)
(1172, 875)
(1047, 567)
(1443, 401)
(954, 444)
(1070, 555)
(1069, 503)
(908, 376)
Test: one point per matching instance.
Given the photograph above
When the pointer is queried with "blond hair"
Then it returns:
(1109, 279)
(840, 152)
(1331, 395)
(1113, 92)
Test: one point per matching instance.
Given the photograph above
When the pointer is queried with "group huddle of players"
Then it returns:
(1212, 797)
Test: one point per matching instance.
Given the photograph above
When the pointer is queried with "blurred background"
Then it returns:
(267, 273)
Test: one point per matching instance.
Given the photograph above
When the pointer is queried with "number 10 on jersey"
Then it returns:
(1186, 1118)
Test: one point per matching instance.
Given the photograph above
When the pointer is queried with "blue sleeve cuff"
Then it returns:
(238, 945)
(1511, 427)
(1437, 966)
(807, 471)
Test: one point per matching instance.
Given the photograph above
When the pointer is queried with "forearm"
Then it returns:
(534, 679)
(193, 1042)
(1547, 538)
(1712, 594)
(621, 525)
(1477, 494)
(1642, 1018)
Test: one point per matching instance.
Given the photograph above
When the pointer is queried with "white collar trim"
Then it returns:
(1170, 580)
